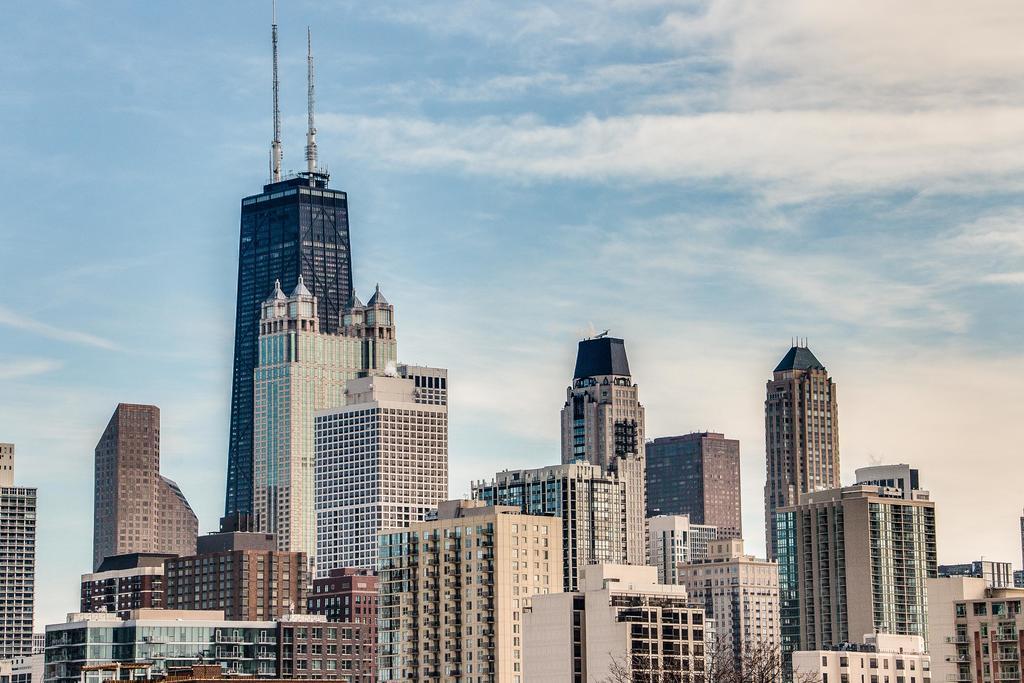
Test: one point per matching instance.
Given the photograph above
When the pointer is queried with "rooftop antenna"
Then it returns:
(311, 131)
(275, 145)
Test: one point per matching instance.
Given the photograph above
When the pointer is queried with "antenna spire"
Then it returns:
(311, 131)
(275, 145)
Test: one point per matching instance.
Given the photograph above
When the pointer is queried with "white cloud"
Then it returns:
(20, 321)
(787, 156)
(18, 368)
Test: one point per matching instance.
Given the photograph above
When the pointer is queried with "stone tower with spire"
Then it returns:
(303, 369)
(801, 433)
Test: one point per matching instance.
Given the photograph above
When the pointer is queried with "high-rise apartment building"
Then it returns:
(621, 625)
(381, 463)
(453, 590)
(801, 420)
(123, 583)
(853, 561)
(136, 509)
(591, 503)
(996, 574)
(17, 560)
(975, 632)
(741, 593)
(345, 594)
(300, 371)
(240, 573)
(673, 540)
(696, 475)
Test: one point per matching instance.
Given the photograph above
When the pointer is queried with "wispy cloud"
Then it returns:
(20, 321)
(19, 368)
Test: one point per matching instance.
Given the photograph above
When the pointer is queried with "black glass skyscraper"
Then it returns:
(297, 225)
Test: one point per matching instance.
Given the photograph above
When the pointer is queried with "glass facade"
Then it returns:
(295, 226)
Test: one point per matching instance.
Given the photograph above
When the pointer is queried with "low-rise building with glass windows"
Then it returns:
(303, 646)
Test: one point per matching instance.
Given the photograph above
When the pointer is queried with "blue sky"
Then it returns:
(706, 179)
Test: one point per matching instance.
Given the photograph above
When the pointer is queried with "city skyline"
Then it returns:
(907, 263)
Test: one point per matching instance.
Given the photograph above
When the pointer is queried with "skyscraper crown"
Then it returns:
(799, 358)
(601, 356)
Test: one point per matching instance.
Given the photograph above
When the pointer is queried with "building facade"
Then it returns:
(136, 509)
(801, 420)
(975, 632)
(242, 574)
(296, 226)
(346, 594)
(854, 561)
(741, 593)
(453, 591)
(696, 475)
(621, 623)
(593, 505)
(123, 583)
(89, 646)
(381, 462)
(996, 574)
(881, 657)
(672, 540)
(301, 370)
(17, 560)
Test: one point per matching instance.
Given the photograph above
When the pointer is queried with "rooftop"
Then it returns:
(601, 356)
(799, 358)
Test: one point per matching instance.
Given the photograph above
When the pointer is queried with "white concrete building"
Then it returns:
(381, 463)
(621, 617)
(882, 657)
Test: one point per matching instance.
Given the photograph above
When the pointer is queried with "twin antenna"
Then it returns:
(275, 145)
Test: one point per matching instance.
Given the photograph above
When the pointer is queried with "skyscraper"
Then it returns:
(381, 463)
(603, 424)
(136, 510)
(697, 475)
(296, 226)
(302, 370)
(672, 540)
(602, 420)
(801, 419)
(591, 503)
(17, 560)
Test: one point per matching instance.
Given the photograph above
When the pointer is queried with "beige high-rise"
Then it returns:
(801, 433)
(453, 591)
(741, 593)
(136, 509)
(603, 424)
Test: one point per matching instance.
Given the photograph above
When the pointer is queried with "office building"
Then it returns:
(453, 590)
(123, 583)
(741, 593)
(381, 462)
(672, 540)
(240, 573)
(975, 632)
(801, 418)
(17, 560)
(297, 226)
(300, 371)
(996, 574)
(136, 509)
(621, 623)
(880, 657)
(697, 475)
(853, 561)
(598, 526)
(91, 646)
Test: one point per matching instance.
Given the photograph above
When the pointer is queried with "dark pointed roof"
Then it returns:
(799, 358)
(601, 356)
(377, 298)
